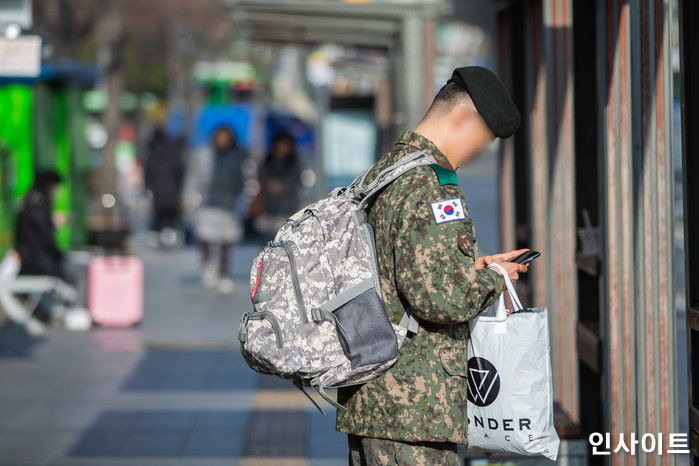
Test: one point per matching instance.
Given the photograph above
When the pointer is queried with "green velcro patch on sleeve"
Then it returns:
(444, 175)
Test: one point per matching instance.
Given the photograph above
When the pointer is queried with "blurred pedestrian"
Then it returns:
(218, 227)
(280, 184)
(35, 235)
(164, 174)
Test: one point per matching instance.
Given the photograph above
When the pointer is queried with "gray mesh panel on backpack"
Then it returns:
(318, 317)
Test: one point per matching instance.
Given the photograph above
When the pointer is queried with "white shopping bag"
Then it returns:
(510, 391)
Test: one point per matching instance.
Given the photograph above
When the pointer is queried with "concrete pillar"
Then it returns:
(412, 69)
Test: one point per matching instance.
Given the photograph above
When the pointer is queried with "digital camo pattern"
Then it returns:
(366, 450)
(328, 248)
(430, 268)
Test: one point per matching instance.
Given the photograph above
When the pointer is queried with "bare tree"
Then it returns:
(110, 43)
(69, 25)
(139, 46)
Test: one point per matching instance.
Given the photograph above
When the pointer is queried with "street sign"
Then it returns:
(21, 56)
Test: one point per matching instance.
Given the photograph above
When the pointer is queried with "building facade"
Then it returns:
(589, 181)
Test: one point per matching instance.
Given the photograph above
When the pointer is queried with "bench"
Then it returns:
(20, 294)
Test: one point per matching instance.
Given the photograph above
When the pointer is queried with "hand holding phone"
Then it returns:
(526, 258)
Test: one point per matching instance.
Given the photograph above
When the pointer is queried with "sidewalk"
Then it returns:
(174, 391)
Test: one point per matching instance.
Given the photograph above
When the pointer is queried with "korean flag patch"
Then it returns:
(448, 210)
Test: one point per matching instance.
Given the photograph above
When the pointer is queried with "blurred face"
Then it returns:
(223, 140)
(282, 148)
(467, 134)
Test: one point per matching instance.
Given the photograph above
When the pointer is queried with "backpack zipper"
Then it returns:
(294, 275)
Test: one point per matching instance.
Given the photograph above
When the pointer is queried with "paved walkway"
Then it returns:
(174, 391)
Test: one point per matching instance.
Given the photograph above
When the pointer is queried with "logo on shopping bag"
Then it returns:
(483, 382)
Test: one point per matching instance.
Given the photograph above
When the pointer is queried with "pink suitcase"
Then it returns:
(115, 290)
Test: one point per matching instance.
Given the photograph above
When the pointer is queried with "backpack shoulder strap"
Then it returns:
(387, 175)
(384, 178)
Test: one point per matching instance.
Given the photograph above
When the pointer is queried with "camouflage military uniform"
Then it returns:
(367, 450)
(427, 264)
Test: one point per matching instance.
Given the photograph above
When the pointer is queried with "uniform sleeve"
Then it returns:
(435, 263)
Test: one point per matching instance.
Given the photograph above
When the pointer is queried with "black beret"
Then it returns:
(490, 98)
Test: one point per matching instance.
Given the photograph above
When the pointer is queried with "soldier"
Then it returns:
(415, 413)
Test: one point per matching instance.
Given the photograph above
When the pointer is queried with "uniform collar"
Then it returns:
(420, 142)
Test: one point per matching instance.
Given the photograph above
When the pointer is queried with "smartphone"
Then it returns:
(526, 258)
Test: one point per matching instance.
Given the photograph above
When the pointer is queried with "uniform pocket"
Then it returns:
(467, 243)
(454, 361)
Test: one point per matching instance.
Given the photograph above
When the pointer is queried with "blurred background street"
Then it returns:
(173, 391)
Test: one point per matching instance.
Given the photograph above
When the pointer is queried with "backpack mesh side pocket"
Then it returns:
(365, 333)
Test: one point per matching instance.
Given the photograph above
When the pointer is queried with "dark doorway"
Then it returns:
(587, 176)
(522, 169)
(689, 85)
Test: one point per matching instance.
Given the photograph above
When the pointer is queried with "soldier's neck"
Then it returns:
(434, 134)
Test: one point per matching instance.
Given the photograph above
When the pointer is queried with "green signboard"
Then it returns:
(16, 155)
(42, 127)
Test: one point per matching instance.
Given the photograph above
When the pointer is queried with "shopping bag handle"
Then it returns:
(501, 313)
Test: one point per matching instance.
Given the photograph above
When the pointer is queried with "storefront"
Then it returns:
(589, 181)
(42, 126)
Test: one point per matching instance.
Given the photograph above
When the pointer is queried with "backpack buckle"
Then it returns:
(317, 315)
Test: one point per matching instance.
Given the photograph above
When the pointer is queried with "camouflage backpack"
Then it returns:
(318, 317)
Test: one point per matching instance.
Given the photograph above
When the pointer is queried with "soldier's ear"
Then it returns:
(459, 115)
(463, 117)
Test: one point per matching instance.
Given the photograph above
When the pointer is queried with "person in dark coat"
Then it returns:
(35, 235)
(218, 226)
(164, 174)
(280, 183)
